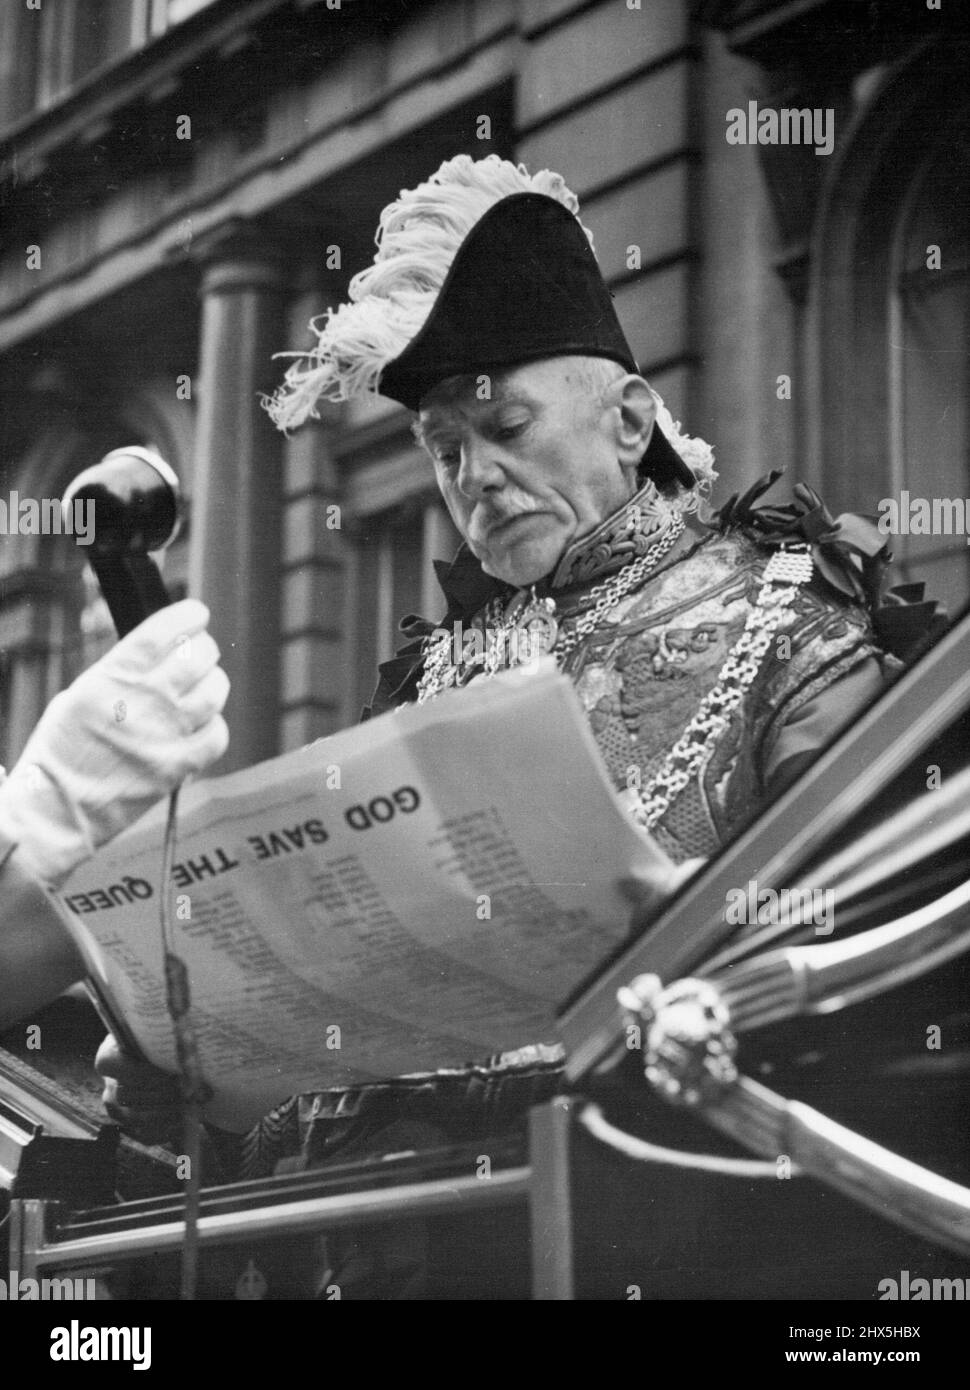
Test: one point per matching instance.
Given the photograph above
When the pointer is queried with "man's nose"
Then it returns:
(479, 471)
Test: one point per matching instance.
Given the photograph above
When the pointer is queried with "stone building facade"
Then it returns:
(185, 183)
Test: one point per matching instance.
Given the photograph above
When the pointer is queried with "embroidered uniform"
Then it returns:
(648, 664)
(640, 674)
(713, 660)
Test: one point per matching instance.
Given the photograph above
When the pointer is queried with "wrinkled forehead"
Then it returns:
(534, 383)
(456, 392)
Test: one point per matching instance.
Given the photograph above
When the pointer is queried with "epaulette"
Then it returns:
(850, 555)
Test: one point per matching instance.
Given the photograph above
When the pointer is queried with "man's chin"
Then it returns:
(521, 570)
(531, 551)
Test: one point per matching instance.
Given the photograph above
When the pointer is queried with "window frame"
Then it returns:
(385, 471)
(857, 443)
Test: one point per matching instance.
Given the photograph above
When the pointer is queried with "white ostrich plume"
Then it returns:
(696, 453)
(417, 240)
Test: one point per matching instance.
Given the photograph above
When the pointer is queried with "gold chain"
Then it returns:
(440, 671)
(607, 594)
(784, 573)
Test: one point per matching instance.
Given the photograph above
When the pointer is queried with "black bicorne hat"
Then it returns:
(524, 285)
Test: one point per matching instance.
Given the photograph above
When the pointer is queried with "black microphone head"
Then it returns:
(137, 501)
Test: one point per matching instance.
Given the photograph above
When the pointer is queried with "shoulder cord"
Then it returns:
(787, 570)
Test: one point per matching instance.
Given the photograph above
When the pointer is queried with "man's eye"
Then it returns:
(510, 430)
(448, 457)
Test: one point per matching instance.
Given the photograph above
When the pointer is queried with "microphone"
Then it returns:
(137, 508)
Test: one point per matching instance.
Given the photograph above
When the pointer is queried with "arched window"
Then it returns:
(891, 319)
(929, 361)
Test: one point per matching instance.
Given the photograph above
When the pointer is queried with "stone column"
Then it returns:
(234, 541)
(318, 654)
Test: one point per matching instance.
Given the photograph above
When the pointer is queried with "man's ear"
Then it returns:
(634, 412)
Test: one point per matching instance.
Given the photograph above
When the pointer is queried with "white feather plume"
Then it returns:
(696, 453)
(417, 240)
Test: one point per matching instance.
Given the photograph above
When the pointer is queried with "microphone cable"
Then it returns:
(195, 1090)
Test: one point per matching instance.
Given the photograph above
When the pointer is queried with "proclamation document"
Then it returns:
(414, 893)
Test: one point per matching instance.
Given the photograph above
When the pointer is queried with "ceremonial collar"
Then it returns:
(849, 555)
(624, 536)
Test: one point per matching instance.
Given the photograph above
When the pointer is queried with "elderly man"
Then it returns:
(486, 314)
(713, 658)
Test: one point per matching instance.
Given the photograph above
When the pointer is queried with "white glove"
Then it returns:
(127, 731)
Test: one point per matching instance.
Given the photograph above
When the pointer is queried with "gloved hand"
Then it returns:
(647, 890)
(127, 731)
(143, 1100)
